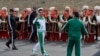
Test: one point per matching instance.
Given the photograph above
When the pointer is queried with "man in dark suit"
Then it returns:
(31, 17)
(12, 29)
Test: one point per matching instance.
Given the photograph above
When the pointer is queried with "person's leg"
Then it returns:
(70, 47)
(34, 34)
(36, 47)
(30, 37)
(13, 40)
(9, 41)
(40, 44)
(96, 29)
(45, 53)
(41, 41)
(77, 47)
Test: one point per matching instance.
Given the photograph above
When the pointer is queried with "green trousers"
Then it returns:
(41, 36)
(71, 44)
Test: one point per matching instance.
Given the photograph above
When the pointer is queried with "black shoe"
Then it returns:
(7, 45)
(14, 48)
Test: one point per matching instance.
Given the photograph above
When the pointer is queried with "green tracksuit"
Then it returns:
(41, 30)
(75, 28)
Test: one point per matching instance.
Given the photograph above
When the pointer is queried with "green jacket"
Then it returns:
(40, 23)
(75, 28)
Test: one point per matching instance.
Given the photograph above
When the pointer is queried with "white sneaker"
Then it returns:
(45, 54)
(34, 52)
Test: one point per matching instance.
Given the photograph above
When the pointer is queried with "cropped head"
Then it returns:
(76, 14)
(52, 8)
(11, 11)
(4, 8)
(97, 9)
(16, 9)
(40, 11)
(67, 8)
(85, 7)
(34, 8)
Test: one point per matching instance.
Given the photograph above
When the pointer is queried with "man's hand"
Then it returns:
(28, 25)
(60, 31)
(87, 35)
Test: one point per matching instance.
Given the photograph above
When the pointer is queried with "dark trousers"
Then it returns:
(83, 36)
(12, 38)
(33, 34)
(95, 29)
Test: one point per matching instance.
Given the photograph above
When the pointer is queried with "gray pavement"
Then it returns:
(53, 49)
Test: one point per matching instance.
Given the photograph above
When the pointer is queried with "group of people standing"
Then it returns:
(50, 24)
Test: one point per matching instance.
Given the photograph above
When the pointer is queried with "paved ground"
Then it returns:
(53, 49)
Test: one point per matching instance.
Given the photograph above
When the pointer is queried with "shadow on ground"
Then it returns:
(4, 51)
(97, 53)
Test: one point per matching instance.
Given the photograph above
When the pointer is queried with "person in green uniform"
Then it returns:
(75, 28)
(41, 30)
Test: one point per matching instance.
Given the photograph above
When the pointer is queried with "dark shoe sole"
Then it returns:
(14, 49)
(7, 45)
